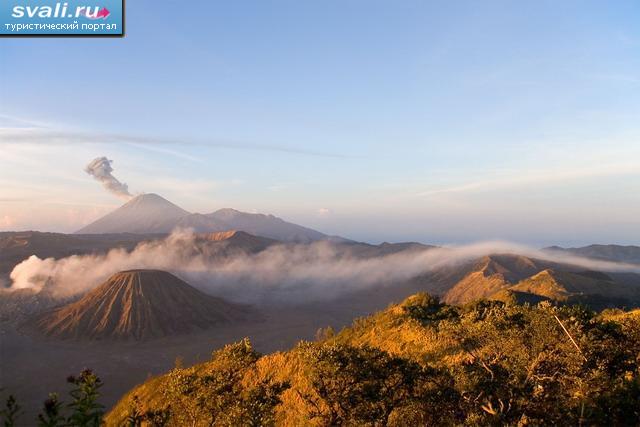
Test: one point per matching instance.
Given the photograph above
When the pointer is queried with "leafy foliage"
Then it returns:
(10, 412)
(51, 415)
(85, 409)
(426, 308)
(420, 362)
(364, 385)
(214, 395)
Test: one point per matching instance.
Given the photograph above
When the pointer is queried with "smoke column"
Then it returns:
(100, 168)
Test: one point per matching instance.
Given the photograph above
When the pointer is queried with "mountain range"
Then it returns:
(144, 304)
(151, 213)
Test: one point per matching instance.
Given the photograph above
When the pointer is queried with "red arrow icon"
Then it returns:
(103, 13)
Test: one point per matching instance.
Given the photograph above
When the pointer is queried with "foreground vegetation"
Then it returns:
(417, 363)
(83, 408)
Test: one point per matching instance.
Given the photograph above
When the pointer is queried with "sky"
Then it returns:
(440, 122)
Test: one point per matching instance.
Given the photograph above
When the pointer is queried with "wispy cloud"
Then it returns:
(7, 120)
(277, 187)
(527, 177)
(41, 135)
(164, 150)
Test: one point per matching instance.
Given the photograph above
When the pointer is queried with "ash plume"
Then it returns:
(289, 273)
(100, 168)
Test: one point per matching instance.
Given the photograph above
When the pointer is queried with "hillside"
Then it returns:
(16, 305)
(238, 240)
(560, 286)
(417, 363)
(531, 280)
(139, 305)
(595, 289)
(488, 275)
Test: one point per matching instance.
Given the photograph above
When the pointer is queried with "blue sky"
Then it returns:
(442, 122)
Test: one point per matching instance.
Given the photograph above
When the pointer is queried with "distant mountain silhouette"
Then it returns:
(139, 305)
(150, 213)
(147, 213)
(265, 225)
(617, 253)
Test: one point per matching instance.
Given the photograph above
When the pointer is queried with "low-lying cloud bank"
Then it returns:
(285, 273)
